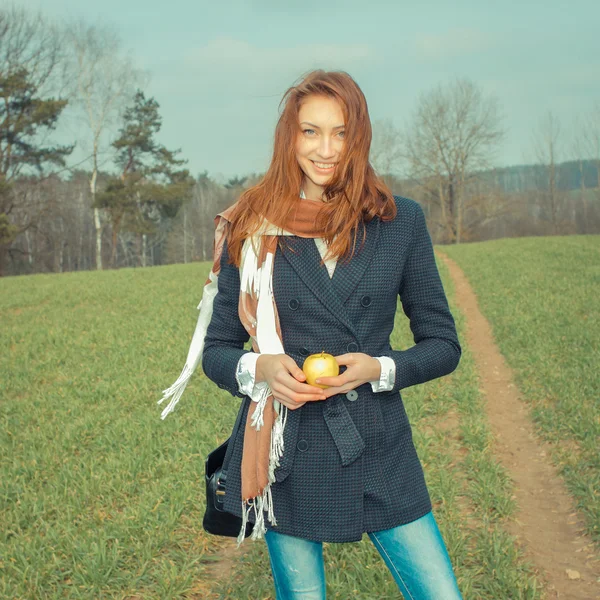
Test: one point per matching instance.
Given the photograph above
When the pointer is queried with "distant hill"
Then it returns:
(523, 178)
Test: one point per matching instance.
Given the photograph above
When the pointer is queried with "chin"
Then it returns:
(320, 177)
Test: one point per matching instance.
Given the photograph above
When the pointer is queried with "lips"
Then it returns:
(324, 167)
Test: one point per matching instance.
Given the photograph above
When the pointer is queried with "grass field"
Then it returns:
(99, 498)
(542, 298)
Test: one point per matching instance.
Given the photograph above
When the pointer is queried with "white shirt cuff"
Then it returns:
(388, 375)
(245, 375)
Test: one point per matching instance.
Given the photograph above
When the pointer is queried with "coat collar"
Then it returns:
(303, 255)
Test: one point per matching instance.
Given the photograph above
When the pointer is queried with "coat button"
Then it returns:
(302, 445)
(365, 300)
(293, 304)
(352, 347)
(352, 395)
(304, 351)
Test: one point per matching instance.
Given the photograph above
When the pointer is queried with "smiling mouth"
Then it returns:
(326, 167)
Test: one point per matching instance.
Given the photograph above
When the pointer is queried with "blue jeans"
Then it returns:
(415, 553)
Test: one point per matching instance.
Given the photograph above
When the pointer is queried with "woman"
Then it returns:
(313, 258)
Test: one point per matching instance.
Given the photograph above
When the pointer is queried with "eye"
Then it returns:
(307, 130)
(341, 134)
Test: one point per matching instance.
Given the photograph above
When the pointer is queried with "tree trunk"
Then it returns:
(61, 258)
(553, 198)
(144, 248)
(452, 209)
(444, 212)
(98, 228)
(115, 232)
(459, 215)
(3, 255)
(29, 250)
(185, 257)
(97, 220)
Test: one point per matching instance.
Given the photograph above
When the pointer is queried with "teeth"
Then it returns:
(324, 165)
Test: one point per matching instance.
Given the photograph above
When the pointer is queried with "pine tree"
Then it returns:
(24, 119)
(151, 186)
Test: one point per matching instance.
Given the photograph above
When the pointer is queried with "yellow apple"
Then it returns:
(320, 365)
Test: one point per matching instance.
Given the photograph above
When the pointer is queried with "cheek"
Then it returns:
(300, 148)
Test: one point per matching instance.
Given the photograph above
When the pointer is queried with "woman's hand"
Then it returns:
(285, 378)
(361, 368)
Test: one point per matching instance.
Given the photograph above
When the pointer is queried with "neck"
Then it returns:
(312, 191)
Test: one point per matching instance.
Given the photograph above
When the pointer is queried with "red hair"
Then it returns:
(354, 192)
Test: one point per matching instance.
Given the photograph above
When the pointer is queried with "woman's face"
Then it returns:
(319, 142)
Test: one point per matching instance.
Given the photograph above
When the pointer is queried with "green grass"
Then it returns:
(542, 298)
(99, 498)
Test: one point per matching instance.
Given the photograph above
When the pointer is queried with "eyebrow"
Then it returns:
(317, 127)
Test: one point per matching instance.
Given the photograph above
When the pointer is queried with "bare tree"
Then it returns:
(29, 41)
(191, 237)
(31, 68)
(386, 150)
(454, 133)
(578, 150)
(585, 146)
(591, 140)
(104, 83)
(546, 141)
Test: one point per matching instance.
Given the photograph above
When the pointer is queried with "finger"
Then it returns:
(307, 397)
(305, 393)
(290, 377)
(301, 388)
(332, 391)
(338, 380)
(288, 397)
(345, 359)
(343, 389)
(290, 403)
(295, 371)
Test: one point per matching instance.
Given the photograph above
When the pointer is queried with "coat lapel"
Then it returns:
(333, 293)
(347, 274)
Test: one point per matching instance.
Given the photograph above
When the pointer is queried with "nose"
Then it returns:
(326, 149)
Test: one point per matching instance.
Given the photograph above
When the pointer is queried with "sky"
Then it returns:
(219, 69)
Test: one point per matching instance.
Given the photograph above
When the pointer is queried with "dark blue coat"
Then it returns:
(349, 465)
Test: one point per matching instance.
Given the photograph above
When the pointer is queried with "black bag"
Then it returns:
(216, 520)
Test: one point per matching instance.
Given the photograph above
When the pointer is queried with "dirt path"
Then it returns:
(546, 524)
(222, 570)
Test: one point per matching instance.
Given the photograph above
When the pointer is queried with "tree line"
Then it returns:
(132, 202)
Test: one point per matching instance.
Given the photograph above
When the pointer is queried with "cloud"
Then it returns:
(242, 57)
(452, 44)
(223, 97)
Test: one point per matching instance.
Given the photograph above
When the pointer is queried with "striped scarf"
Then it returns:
(265, 424)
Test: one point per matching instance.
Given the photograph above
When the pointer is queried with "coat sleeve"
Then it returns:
(225, 335)
(437, 350)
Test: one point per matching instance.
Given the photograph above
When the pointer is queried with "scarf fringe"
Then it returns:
(258, 417)
(176, 390)
(277, 445)
(264, 502)
(245, 513)
(205, 308)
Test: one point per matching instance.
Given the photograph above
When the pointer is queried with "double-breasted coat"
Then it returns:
(349, 464)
